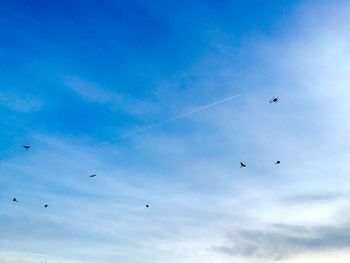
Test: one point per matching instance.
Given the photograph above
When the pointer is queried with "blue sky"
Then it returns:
(126, 47)
(77, 75)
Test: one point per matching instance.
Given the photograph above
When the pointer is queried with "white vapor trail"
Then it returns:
(178, 116)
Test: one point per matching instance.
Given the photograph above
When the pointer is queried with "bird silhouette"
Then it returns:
(147, 205)
(243, 165)
(274, 100)
(93, 175)
(278, 162)
(14, 200)
(27, 147)
(46, 205)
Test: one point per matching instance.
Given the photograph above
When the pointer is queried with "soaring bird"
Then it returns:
(243, 165)
(147, 205)
(278, 162)
(274, 100)
(26, 147)
(14, 200)
(46, 205)
(93, 175)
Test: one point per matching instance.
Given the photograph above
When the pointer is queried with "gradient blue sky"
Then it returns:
(77, 75)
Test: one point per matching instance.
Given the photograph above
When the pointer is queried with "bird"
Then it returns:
(147, 205)
(27, 147)
(274, 100)
(93, 175)
(278, 162)
(14, 200)
(243, 165)
(46, 205)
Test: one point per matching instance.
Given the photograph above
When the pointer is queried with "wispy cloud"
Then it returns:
(20, 103)
(96, 93)
(92, 91)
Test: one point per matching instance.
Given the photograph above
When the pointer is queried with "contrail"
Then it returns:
(178, 116)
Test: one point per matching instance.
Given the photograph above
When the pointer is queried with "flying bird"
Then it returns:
(274, 100)
(243, 165)
(278, 162)
(93, 175)
(26, 147)
(14, 200)
(46, 205)
(147, 206)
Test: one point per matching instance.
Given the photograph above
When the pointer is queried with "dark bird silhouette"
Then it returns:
(27, 147)
(274, 100)
(93, 175)
(243, 165)
(46, 205)
(14, 200)
(147, 206)
(278, 162)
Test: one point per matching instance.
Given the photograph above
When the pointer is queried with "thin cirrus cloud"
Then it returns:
(20, 103)
(92, 91)
(95, 93)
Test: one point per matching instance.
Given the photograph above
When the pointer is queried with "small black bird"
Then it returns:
(243, 165)
(46, 205)
(14, 200)
(147, 206)
(274, 100)
(93, 175)
(278, 162)
(27, 147)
